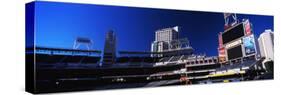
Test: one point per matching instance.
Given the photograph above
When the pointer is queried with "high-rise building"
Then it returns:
(266, 44)
(82, 41)
(167, 34)
(163, 37)
(109, 55)
(168, 43)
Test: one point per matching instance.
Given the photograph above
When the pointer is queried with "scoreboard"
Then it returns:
(235, 52)
(233, 33)
(238, 41)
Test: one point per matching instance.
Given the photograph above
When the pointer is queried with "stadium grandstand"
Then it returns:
(69, 69)
(65, 69)
(60, 69)
(136, 57)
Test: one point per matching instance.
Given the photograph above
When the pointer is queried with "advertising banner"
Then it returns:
(248, 29)
(249, 45)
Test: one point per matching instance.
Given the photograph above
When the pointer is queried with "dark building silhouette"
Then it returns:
(109, 54)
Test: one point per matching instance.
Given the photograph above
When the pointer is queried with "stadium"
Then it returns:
(171, 61)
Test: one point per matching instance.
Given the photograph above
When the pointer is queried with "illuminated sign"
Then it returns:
(249, 45)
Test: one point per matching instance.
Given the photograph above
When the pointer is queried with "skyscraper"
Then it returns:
(163, 37)
(168, 43)
(109, 53)
(167, 34)
(266, 44)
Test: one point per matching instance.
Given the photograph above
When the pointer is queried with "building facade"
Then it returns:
(109, 53)
(168, 43)
(163, 37)
(167, 34)
(266, 44)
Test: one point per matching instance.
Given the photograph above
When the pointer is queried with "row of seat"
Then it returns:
(185, 57)
(45, 58)
(245, 63)
(175, 58)
(136, 60)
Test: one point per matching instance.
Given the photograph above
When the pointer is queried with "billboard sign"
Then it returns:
(248, 29)
(220, 40)
(222, 51)
(249, 45)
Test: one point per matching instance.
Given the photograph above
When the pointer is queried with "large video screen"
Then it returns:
(235, 52)
(232, 34)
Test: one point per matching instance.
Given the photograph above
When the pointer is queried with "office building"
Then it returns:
(167, 34)
(168, 43)
(109, 55)
(163, 37)
(266, 44)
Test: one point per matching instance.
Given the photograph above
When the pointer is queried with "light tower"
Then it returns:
(230, 19)
(82, 41)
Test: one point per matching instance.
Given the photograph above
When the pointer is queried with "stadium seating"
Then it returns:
(165, 59)
(52, 59)
(175, 58)
(46, 58)
(246, 63)
(91, 60)
(136, 59)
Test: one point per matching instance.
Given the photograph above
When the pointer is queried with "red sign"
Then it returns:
(220, 40)
(248, 28)
(222, 51)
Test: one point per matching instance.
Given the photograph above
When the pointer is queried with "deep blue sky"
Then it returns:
(58, 24)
